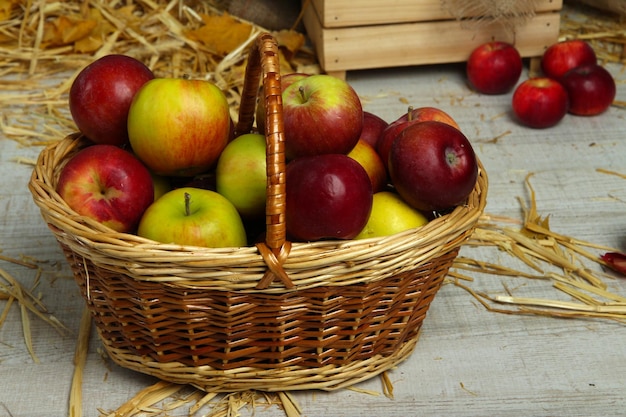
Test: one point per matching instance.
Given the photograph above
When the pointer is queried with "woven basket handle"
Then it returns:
(263, 61)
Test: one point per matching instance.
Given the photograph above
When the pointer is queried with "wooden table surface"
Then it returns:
(468, 361)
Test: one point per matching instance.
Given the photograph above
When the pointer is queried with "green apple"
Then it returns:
(161, 185)
(194, 217)
(241, 174)
(390, 215)
(179, 127)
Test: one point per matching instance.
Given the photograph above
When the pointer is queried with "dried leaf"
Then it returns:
(66, 30)
(221, 34)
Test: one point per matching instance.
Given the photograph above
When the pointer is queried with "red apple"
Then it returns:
(565, 55)
(329, 196)
(417, 115)
(369, 159)
(591, 89)
(195, 217)
(101, 94)
(107, 184)
(179, 127)
(322, 114)
(373, 127)
(433, 166)
(494, 67)
(540, 102)
(285, 81)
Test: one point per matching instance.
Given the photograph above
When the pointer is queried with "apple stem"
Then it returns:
(409, 113)
(187, 204)
(302, 95)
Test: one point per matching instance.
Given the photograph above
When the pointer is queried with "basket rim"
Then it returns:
(88, 236)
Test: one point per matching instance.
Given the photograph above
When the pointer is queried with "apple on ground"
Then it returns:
(322, 114)
(412, 116)
(193, 217)
(390, 215)
(494, 67)
(540, 102)
(108, 184)
(328, 196)
(285, 81)
(179, 127)
(101, 94)
(373, 127)
(241, 174)
(565, 55)
(591, 89)
(433, 166)
(369, 159)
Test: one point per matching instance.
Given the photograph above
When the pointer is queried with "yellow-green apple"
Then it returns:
(108, 184)
(373, 127)
(101, 94)
(285, 81)
(390, 215)
(433, 166)
(322, 114)
(494, 67)
(161, 185)
(328, 196)
(413, 115)
(591, 89)
(540, 102)
(565, 55)
(241, 174)
(179, 127)
(369, 159)
(193, 217)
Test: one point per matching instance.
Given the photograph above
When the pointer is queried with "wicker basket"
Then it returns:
(275, 316)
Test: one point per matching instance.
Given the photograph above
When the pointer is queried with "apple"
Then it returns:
(413, 115)
(322, 114)
(390, 215)
(108, 184)
(179, 127)
(193, 217)
(591, 89)
(369, 159)
(241, 174)
(101, 94)
(433, 166)
(161, 185)
(565, 55)
(373, 127)
(328, 196)
(494, 67)
(285, 81)
(540, 102)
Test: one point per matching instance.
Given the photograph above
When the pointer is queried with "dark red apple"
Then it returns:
(108, 184)
(565, 55)
(373, 127)
(494, 67)
(322, 114)
(101, 94)
(591, 89)
(413, 115)
(329, 196)
(433, 166)
(540, 102)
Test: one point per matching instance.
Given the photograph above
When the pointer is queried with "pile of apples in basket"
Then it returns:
(163, 161)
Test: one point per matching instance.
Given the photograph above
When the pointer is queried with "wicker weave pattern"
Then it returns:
(279, 316)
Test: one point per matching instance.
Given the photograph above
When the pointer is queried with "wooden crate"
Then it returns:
(375, 34)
